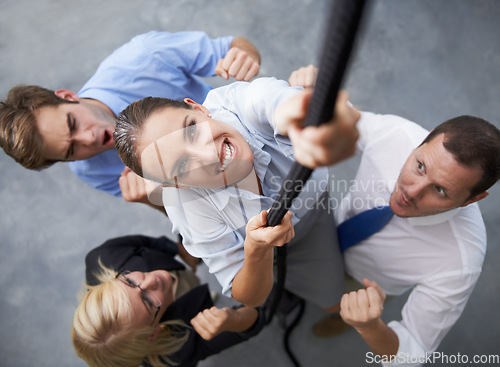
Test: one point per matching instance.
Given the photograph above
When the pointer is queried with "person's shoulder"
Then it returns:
(264, 84)
(389, 129)
(470, 219)
(391, 122)
(259, 86)
(165, 38)
(99, 163)
(224, 96)
(470, 232)
(143, 42)
(80, 168)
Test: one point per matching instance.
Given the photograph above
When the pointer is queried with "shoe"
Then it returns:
(330, 325)
(214, 295)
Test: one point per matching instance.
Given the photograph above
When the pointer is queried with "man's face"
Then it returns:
(186, 147)
(75, 131)
(431, 181)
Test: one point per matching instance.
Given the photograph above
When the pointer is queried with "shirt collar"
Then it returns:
(430, 220)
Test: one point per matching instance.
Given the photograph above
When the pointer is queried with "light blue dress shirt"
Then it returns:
(158, 64)
(212, 222)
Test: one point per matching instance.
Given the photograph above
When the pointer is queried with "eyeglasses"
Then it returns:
(149, 299)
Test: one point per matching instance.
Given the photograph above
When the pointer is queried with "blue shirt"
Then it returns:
(158, 64)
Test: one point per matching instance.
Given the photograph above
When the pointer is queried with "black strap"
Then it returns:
(288, 332)
(343, 23)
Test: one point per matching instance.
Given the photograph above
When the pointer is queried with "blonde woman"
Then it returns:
(144, 307)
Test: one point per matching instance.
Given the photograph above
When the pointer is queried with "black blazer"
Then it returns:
(143, 253)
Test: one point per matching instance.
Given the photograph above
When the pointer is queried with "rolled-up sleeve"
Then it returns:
(432, 309)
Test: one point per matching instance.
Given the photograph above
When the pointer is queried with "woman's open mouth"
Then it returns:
(226, 155)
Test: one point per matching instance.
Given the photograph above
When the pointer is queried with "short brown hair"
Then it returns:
(129, 127)
(474, 143)
(19, 135)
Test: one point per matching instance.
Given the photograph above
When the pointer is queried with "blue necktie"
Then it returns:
(363, 225)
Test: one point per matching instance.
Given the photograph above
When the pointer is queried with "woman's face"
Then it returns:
(159, 287)
(184, 147)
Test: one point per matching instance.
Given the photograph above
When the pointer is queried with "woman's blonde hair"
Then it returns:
(101, 335)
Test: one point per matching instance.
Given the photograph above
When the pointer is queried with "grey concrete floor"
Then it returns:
(427, 60)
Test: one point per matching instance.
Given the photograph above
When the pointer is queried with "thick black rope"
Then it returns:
(343, 23)
(288, 332)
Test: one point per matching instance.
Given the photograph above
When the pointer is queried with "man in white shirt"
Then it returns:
(436, 241)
